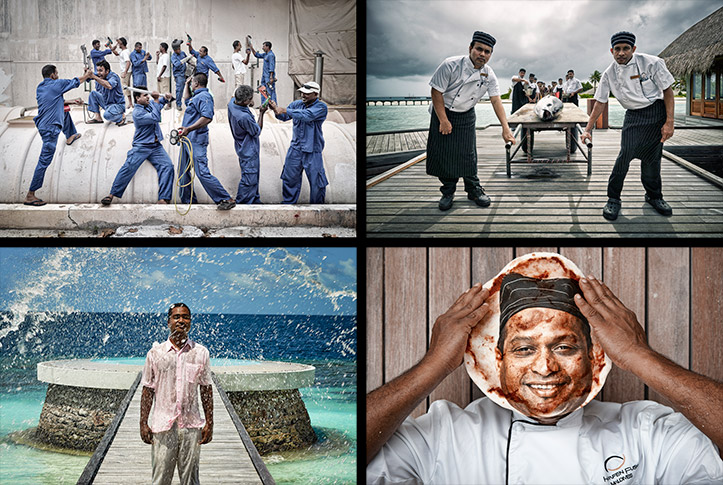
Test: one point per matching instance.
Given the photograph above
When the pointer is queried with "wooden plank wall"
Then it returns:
(677, 294)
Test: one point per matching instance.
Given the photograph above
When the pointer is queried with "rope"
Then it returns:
(185, 144)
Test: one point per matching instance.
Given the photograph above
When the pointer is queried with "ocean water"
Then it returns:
(326, 342)
(390, 118)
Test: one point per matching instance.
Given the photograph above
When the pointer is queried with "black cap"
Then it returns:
(519, 292)
(485, 38)
(623, 38)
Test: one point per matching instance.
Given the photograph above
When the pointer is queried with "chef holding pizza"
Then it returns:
(539, 340)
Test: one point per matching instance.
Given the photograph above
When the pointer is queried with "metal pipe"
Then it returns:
(318, 68)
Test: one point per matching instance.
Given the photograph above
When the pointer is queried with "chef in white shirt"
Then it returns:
(548, 437)
(642, 85)
(570, 88)
(458, 84)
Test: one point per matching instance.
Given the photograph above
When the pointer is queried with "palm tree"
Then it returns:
(595, 78)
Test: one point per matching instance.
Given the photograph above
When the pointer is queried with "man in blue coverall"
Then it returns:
(179, 70)
(306, 145)
(109, 97)
(199, 113)
(204, 62)
(146, 146)
(97, 55)
(268, 76)
(246, 133)
(139, 65)
(50, 121)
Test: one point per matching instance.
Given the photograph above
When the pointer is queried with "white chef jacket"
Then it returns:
(461, 84)
(651, 77)
(569, 86)
(639, 442)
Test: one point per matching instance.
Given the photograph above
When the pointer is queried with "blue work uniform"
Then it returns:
(96, 56)
(50, 121)
(179, 75)
(197, 106)
(269, 67)
(203, 64)
(139, 68)
(304, 152)
(146, 146)
(246, 133)
(111, 100)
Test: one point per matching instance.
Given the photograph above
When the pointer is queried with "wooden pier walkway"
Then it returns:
(225, 460)
(549, 200)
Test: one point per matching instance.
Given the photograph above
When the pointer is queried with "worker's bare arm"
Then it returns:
(445, 127)
(500, 112)
(699, 398)
(596, 112)
(389, 405)
(146, 403)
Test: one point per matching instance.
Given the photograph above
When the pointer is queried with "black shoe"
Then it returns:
(611, 209)
(445, 203)
(659, 205)
(225, 205)
(480, 198)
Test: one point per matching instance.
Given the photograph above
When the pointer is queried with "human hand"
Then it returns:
(158, 53)
(585, 135)
(155, 94)
(667, 131)
(182, 131)
(613, 324)
(263, 109)
(168, 96)
(206, 434)
(508, 136)
(146, 434)
(451, 329)
(78, 101)
(445, 127)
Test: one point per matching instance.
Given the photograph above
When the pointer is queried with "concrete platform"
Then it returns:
(259, 376)
(94, 217)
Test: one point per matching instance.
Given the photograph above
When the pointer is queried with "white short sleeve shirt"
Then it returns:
(462, 85)
(238, 65)
(571, 85)
(125, 56)
(637, 442)
(637, 84)
(163, 61)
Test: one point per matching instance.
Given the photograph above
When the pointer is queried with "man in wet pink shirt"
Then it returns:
(173, 372)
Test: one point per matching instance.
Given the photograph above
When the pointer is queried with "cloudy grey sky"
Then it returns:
(406, 40)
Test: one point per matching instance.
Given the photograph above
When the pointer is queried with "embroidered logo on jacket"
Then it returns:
(619, 473)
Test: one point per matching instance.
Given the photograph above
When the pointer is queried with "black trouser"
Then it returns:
(640, 139)
(471, 185)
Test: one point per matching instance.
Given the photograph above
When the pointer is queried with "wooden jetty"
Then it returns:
(122, 458)
(547, 200)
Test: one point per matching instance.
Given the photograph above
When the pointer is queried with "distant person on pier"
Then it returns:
(307, 143)
(172, 375)
(519, 99)
(642, 85)
(457, 85)
(51, 120)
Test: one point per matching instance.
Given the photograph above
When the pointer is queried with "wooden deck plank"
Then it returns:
(568, 203)
(223, 460)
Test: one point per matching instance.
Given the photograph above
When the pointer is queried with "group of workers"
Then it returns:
(641, 83)
(531, 90)
(307, 114)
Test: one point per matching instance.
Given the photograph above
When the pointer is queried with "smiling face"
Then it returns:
(545, 368)
(179, 323)
(623, 53)
(479, 54)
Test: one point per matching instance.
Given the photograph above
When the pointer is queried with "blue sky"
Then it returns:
(316, 281)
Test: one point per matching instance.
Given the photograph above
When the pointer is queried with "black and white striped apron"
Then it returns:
(453, 155)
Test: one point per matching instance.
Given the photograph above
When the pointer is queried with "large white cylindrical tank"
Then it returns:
(84, 171)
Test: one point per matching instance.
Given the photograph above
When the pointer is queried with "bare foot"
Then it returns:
(163, 201)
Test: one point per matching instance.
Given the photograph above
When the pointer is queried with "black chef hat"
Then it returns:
(519, 292)
(483, 37)
(623, 37)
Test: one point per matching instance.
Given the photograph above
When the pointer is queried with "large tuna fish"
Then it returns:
(548, 108)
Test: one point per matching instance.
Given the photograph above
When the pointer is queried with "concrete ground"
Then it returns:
(151, 220)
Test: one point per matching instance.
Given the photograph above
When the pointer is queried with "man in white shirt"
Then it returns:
(125, 65)
(519, 98)
(163, 71)
(533, 94)
(457, 85)
(239, 63)
(543, 368)
(570, 88)
(642, 85)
